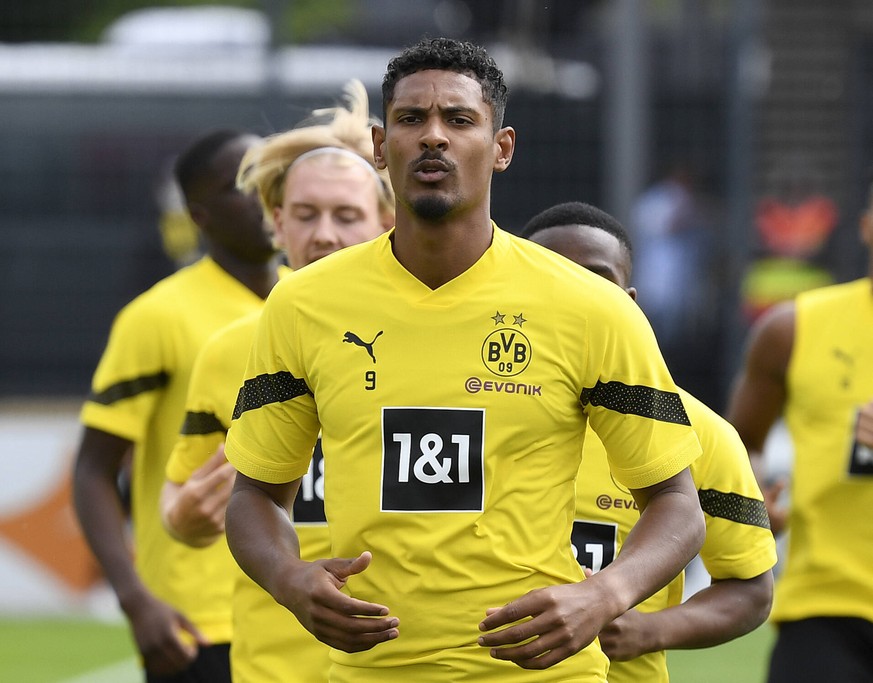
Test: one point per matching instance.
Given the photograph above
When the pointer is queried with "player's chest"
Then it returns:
(833, 374)
(483, 358)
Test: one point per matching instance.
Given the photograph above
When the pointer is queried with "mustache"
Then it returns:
(432, 160)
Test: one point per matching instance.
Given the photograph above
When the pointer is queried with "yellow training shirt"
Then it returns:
(138, 393)
(829, 564)
(738, 544)
(264, 632)
(452, 423)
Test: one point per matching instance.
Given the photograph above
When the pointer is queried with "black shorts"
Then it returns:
(823, 649)
(211, 666)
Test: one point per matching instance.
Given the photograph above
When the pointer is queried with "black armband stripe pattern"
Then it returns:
(664, 406)
(130, 388)
(268, 388)
(734, 507)
(201, 423)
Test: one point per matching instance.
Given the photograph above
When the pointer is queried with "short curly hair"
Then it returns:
(447, 54)
(193, 164)
(578, 213)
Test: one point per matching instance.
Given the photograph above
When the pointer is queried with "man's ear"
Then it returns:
(278, 234)
(386, 220)
(504, 140)
(378, 145)
(199, 213)
(866, 227)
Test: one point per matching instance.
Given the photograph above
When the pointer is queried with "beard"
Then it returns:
(431, 208)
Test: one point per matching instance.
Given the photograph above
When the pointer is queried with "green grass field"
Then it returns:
(76, 651)
(66, 650)
(743, 660)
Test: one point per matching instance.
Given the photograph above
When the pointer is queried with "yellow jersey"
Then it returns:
(452, 422)
(738, 544)
(828, 567)
(264, 632)
(138, 393)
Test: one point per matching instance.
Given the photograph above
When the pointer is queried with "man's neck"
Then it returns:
(260, 277)
(436, 253)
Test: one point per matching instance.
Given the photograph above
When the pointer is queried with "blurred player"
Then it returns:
(738, 552)
(319, 187)
(178, 612)
(811, 361)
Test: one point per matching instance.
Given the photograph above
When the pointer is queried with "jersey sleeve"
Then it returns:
(136, 366)
(208, 408)
(275, 423)
(739, 543)
(632, 402)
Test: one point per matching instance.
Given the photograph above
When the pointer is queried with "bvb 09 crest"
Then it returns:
(506, 352)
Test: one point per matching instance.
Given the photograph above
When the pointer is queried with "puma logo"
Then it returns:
(352, 338)
(841, 355)
(848, 363)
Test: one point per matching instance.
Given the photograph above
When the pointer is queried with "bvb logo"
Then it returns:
(506, 352)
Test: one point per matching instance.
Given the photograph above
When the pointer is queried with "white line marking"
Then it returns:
(127, 671)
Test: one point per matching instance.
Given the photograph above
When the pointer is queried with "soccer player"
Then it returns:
(179, 616)
(321, 190)
(739, 551)
(811, 361)
(451, 369)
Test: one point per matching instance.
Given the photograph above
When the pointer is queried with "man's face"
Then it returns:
(439, 144)
(231, 219)
(326, 205)
(592, 248)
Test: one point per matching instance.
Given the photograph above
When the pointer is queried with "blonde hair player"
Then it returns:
(319, 187)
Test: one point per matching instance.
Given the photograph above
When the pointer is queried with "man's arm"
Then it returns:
(263, 541)
(101, 514)
(721, 612)
(564, 619)
(759, 394)
(864, 426)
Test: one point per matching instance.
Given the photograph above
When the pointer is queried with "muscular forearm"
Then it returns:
(667, 536)
(104, 524)
(715, 615)
(260, 535)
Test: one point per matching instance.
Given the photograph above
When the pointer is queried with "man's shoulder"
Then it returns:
(164, 299)
(832, 295)
(169, 286)
(721, 442)
(342, 265)
(542, 262)
(236, 336)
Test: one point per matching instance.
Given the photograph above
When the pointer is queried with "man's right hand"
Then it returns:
(864, 427)
(157, 630)
(193, 512)
(776, 508)
(313, 594)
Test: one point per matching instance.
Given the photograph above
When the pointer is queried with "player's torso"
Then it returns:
(447, 404)
(208, 300)
(830, 377)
